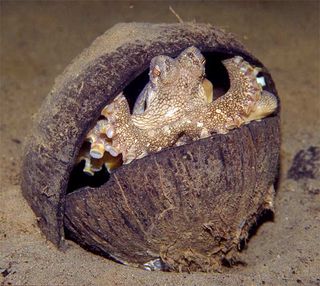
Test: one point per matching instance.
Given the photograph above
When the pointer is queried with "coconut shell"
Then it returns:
(190, 205)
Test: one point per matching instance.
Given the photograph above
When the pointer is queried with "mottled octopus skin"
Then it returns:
(176, 102)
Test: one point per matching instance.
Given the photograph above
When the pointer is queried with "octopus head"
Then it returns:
(163, 71)
(192, 62)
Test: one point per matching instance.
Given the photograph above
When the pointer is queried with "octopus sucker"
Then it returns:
(208, 90)
(176, 106)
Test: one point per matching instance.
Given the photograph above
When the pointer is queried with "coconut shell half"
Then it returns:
(188, 207)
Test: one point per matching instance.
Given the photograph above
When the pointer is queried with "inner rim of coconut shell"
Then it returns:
(216, 73)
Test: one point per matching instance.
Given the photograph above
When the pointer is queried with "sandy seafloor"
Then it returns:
(39, 39)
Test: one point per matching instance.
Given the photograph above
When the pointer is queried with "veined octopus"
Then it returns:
(175, 106)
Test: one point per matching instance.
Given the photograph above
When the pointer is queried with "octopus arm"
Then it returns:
(140, 104)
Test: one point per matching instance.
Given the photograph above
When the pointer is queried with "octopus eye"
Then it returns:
(202, 76)
(156, 71)
(191, 56)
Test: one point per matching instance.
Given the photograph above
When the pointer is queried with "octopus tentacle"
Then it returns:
(140, 104)
(266, 105)
(231, 110)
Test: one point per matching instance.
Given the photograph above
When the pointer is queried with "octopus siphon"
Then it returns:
(175, 106)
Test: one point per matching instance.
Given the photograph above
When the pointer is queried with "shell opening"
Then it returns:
(81, 175)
